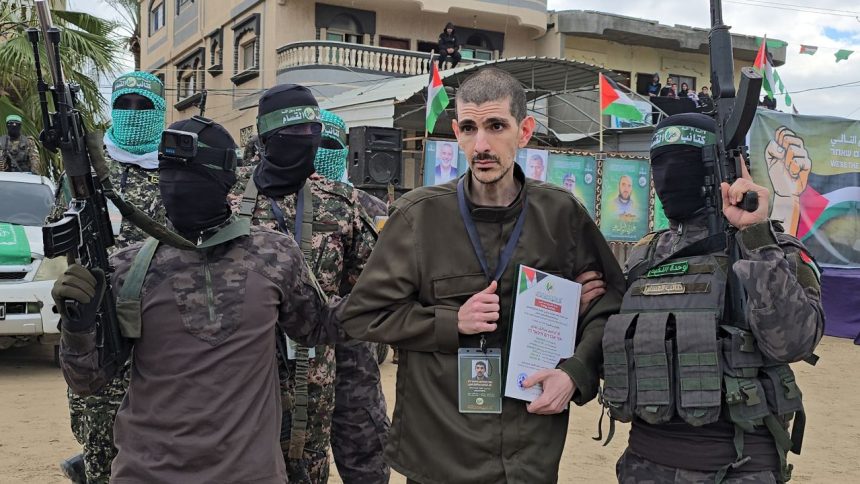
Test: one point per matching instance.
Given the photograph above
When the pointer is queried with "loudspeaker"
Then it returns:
(375, 157)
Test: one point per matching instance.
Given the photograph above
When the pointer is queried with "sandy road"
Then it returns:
(35, 435)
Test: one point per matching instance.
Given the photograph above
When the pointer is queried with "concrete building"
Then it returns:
(636, 49)
(236, 48)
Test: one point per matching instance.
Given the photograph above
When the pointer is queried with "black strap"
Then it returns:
(472, 230)
(708, 245)
(300, 212)
(279, 216)
(124, 180)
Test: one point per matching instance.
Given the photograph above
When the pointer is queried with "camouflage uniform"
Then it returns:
(343, 237)
(360, 421)
(633, 469)
(16, 157)
(784, 314)
(92, 416)
(258, 273)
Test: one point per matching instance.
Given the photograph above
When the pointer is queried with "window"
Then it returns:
(344, 24)
(626, 80)
(248, 59)
(216, 51)
(344, 28)
(246, 49)
(477, 46)
(393, 43)
(156, 17)
(181, 4)
(190, 81)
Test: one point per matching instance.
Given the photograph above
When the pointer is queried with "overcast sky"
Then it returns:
(830, 25)
(836, 27)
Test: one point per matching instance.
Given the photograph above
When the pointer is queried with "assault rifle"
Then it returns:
(733, 113)
(84, 234)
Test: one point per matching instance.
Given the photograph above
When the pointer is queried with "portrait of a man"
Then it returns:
(479, 371)
(623, 203)
(569, 182)
(446, 162)
(536, 167)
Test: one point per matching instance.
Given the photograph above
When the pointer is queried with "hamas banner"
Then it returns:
(813, 170)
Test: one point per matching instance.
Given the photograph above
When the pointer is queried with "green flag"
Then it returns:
(843, 54)
(14, 246)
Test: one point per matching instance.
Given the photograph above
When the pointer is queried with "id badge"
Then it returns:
(292, 349)
(479, 380)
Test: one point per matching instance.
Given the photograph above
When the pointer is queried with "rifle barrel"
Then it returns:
(46, 23)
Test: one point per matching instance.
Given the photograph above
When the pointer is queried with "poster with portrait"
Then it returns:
(533, 162)
(443, 161)
(811, 165)
(625, 190)
(577, 174)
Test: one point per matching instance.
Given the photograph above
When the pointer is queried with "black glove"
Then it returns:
(78, 294)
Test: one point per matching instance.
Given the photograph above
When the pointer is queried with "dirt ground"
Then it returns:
(35, 435)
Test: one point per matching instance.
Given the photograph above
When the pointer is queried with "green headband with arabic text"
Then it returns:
(131, 81)
(288, 117)
(682, 135)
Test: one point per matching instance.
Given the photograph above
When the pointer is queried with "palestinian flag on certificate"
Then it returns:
(614, 102)
(825, 198)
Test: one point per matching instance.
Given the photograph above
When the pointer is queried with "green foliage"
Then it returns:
(88, 50)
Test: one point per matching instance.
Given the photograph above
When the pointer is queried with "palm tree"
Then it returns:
(88, 51)
(129, 26)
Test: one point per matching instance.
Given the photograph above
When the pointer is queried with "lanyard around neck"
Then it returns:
(472, 230)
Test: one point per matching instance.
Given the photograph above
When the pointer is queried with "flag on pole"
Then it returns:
(808, 49)
(615, 102)
(764, 67)
(437, 98)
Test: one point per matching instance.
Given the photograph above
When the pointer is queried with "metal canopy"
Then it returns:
(541, 77)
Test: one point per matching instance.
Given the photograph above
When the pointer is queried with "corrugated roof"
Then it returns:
(539, 75)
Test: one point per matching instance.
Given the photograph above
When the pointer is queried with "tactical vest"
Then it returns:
(670, 352)
(16, 154)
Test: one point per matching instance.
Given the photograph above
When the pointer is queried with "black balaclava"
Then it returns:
(13, 129)
(195, 193)
(676, 162)
(286, 160)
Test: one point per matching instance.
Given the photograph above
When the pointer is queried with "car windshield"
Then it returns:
(25, 203)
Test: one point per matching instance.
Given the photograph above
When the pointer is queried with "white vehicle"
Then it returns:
(27, 311)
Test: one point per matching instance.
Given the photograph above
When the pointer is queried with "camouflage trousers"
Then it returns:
(633, 469)
(360, 423)
(92, 424)
(313, 467)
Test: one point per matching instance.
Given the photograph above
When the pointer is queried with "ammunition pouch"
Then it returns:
(669, 353)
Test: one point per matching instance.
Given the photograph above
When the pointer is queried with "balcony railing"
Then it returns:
(385, 60)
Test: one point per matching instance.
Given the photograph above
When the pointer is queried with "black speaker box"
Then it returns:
(375, 157)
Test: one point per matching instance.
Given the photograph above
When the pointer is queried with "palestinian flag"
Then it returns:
(528, 278)
(808, 49)
(437, 98)
(827, 197)
(615, 102)
(765, 68)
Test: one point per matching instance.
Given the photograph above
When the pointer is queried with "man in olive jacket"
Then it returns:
(424, 291)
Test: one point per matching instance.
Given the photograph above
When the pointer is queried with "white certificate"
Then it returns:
(546, 313)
